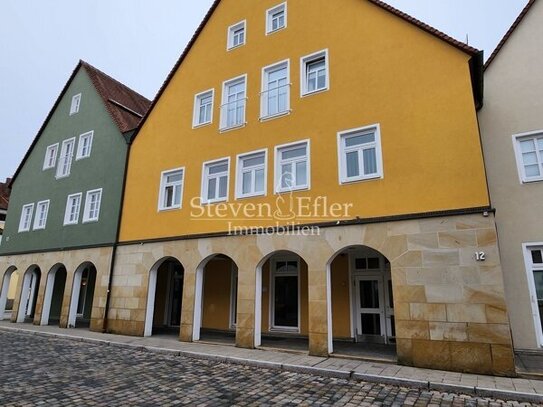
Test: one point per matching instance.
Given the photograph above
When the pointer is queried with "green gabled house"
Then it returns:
(64, 211)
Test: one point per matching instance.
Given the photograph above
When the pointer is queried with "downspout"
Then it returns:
(118, 233)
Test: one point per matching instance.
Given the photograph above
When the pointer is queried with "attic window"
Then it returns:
(236, 35)
(76, 102)
(276, 18)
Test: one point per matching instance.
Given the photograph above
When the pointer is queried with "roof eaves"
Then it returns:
(42, 128)
(425, 27)
(510, 32)
(429, 29)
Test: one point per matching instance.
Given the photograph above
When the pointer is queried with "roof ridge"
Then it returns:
(510, 32)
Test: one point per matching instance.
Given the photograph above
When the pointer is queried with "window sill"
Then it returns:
(275, 116)
(61, 176)
(227, 129)
(70, 224)
(90, 221)
(231, 48)
(285, 330)
(287, 191)
(199, 126)
(248, 196)
(347, 181)
(315, 92)
(81, 158)
(222, 200)
(271, 32)
(171, 209)
(532, 180)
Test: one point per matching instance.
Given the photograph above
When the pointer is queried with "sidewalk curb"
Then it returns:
(505, 395)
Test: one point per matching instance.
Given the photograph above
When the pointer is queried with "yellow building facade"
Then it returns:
(316, 172)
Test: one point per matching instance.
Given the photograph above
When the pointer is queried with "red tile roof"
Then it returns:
(510, 32)
(4, 194)
(425, 27)
(126, 107)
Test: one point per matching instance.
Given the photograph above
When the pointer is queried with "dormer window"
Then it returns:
(76, 102)
(236, 35)
(276, 18)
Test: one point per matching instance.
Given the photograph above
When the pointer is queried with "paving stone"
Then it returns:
(38, 370)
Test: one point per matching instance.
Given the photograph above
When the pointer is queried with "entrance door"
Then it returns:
(370, 309)
(176, 296)
(285, 298)
(373, 302)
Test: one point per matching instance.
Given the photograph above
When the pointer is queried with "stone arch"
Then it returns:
(382, 266)
(6, 281)
(258, 288)
(199, 294)
(82, 295)
(54, 291)
(152, 291)
(29, 293)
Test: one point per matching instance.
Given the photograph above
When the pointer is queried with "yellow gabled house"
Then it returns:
(311, 171)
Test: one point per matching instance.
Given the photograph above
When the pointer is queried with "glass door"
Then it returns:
(370, 315)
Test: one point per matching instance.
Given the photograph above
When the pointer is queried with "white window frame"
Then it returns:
(40, 205)
(278, 162)
(269, 18)
(342, 160)
(197, 104)
(23, 226)
(163, 185)
(70, 159)
(231, 34)
(264, 108)
(526, 250)
(89, 135)
(86, 210)
(68, 208)
(517, 138)
(204, 193)
(224, 103)
(306, 60)
(47, 164)
(239, 174)
(76, 104)
(273, 273)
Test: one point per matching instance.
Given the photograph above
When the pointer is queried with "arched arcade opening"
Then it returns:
(216, 296)
(361, 304)
(29, 294)
(82, 298)
(164, 297)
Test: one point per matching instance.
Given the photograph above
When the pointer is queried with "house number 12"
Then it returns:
(480, 256)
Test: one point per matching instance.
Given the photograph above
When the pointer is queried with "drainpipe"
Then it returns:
(118, 233)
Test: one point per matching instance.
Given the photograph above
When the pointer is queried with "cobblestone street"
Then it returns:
(56, 372)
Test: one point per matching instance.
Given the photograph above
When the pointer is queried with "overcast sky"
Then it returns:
(138, 42)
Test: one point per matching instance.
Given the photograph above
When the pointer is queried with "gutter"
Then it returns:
(128, 138)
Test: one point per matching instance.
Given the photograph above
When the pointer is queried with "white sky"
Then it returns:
(138, 42)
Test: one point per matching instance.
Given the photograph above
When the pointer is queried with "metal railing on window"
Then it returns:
(233, 114)
(275, 101)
